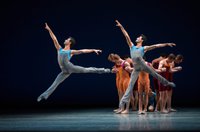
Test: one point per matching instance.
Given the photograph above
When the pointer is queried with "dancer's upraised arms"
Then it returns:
(85, 51)
(128, 39)
(154, 46)
(55, 41)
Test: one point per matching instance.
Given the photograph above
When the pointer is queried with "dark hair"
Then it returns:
(171, 56)
(163, 55)
(144, 38)
(73, 41)
(179, 57)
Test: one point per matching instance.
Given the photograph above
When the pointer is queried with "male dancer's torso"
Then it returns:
(136, 55)
(64, 57)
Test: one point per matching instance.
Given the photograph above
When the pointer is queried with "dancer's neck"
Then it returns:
(67, 47)
(139, 44)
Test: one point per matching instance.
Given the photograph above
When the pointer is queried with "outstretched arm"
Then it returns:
(176, 69)
(147, 48)
(55, 41)
(85, 51)
(128, 39)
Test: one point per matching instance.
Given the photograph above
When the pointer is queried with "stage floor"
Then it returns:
(101, 119)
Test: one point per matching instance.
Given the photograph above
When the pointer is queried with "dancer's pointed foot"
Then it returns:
(108, 70)
(171, 84)
(39, 98)
(42, 96)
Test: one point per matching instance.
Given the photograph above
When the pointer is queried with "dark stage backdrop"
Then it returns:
(29, 59)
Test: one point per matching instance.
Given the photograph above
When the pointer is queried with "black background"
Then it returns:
(29, 59)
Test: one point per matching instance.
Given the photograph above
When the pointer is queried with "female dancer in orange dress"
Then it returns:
(122, 69)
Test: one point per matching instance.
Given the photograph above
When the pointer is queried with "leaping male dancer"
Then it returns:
(67, 68)
(137, 52)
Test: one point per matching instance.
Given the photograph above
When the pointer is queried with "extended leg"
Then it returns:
(59, 79)
(135, 92)
(152, 72)
(79, 69)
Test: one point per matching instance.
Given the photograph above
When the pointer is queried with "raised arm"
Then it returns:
(128, 39)
(55, 41)
(85, 51)
(147, 48)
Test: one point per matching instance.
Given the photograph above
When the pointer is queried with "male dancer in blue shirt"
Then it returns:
(137, 52)
(67, 68)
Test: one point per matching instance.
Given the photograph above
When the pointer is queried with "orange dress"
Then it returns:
(124, 78)
(143, 82)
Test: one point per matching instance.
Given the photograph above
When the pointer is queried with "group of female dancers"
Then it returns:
(132, 74)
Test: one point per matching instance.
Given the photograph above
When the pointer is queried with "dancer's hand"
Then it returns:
(46, 26)
(171, 44)
(114, 70)
(118, 23)
(164, 69)
(97, 51)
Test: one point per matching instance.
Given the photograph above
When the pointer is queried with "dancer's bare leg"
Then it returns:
(169, 100)
(135, 92)
(140, 111)
(157, 100)
(146, 101)
(163, 96)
